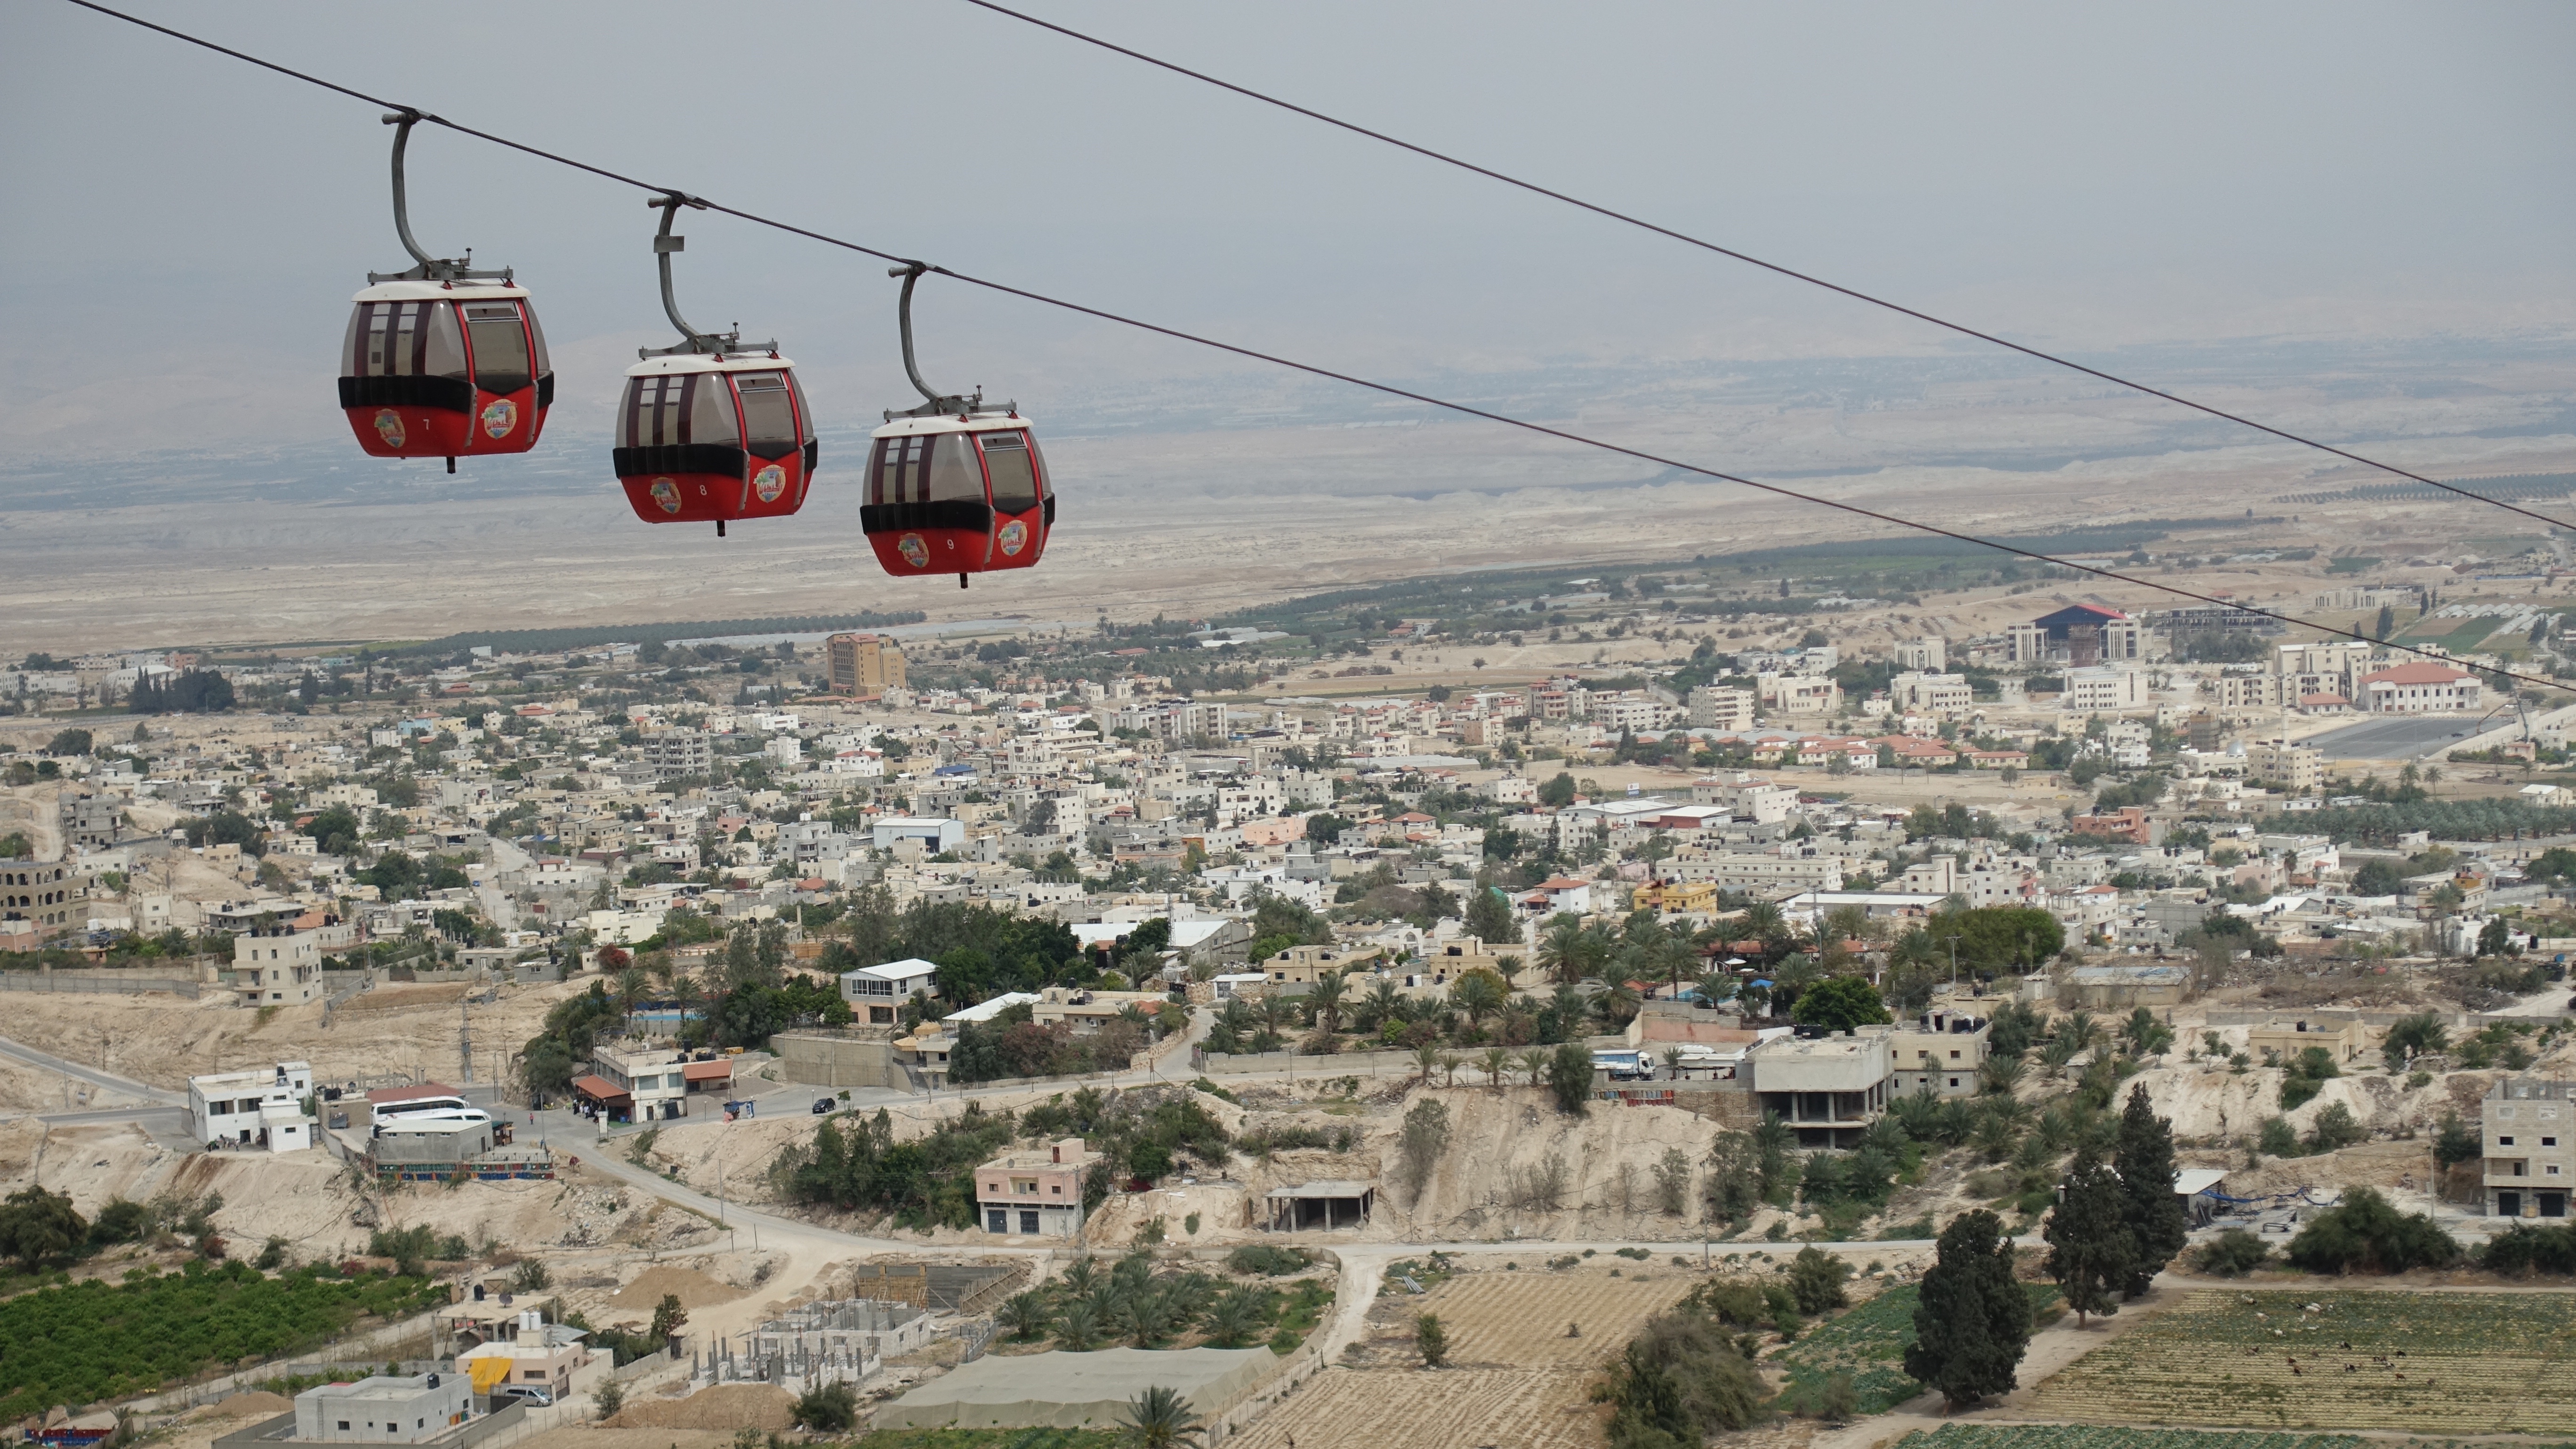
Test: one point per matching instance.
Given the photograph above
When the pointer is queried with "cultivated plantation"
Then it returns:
(2429, 1362)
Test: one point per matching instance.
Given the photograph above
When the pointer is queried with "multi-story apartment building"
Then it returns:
(1715, 708)
(279, 965)
(673, 754)
(2530, 1157)
(863, 663)
(1034, 1194)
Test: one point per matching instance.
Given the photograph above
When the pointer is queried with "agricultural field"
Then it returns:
(1451, 1409)
(2085, 1436)
(94, 1340)
(1519, 1319)
(1516, 1375)
(1868, 1341)
(2438, 1363)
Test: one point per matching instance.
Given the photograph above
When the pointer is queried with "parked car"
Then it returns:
(823, 1106)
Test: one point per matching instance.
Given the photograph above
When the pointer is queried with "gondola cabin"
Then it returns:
(445, 370)
(714, 437)
(952, 495)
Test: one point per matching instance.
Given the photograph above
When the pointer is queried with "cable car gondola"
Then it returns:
(954, 487)
(711, 429)
(442, 360)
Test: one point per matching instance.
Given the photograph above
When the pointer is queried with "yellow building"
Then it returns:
(1678, 895)
(863, 663)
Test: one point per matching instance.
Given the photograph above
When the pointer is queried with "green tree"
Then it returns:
(828, 1408)
(1816, 1280)
(2455, 1142)
(1479, 994)
(2091, 1249)
(2144, 1159)
(1431, 1340)
(2364, 1232)
(1569, 1076)
(2381, 627)
(2412, 1036)
(1972, 1322)
(1490, 918)
(69, 742)
(1557, 793)
(1424, 1137)
(39, 1227)
(1839, 1003)
(1159, 1418)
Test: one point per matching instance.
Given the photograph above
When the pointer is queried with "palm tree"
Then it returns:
(1148, 1316)
(1450, 1062)
(1427, 1057)
(1763, 921)
(1493, 1064)
(1561, 947)
(1715, 987)
(630, 989)
(1671, 959)
(1078, 1277)
(1534, 1064)
(1025, 1314)
(1477, 993)
(1510, 969)
(1672, 1059)
(1160, 1418)
(1236, 1317)
(1381, 1003)
(1077, 1326)
(1326, 998)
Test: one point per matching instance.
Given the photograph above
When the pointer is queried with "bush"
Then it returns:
(2335, 1127)
(2278, 1138)
(1816, 1281)
(2233, 1254)
(2364, 1232)
(610, 1397)
(828, 1408)
(1269, 1262)
(2521, 1250)
(1431, 1340)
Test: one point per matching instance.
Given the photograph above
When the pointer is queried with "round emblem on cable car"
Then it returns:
(667, 494)
(389, 427)
(769, 482)
(914, 551)
(1013, 537)
(500, 417)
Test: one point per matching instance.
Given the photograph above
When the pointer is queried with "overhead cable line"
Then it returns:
(1316, 370)
(1790, 272)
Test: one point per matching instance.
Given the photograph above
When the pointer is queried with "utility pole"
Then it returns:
(465, 1034)
(1954, 960)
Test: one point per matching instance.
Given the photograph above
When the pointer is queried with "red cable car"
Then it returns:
(955, 487)
(713, 429)
(441, 360)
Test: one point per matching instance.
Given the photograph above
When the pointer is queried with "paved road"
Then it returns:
(92, 1075)
(2404, 737)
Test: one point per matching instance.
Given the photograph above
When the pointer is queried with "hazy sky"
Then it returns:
(2087, 176)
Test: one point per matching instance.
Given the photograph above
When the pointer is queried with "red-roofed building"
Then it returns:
(2421, 688)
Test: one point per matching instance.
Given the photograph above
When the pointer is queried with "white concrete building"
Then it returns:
(263, 1107)
(382, 1409)
(278, 966)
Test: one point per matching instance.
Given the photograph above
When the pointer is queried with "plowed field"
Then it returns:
(2441, 1363)
(1517, 1379)
(1448, 1409)
(1519, 1320)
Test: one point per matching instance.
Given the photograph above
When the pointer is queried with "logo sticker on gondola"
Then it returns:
(500, 417)
(1013, 537)
(914, 551)
(389, 427)
(769, 482)
(667, 494)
